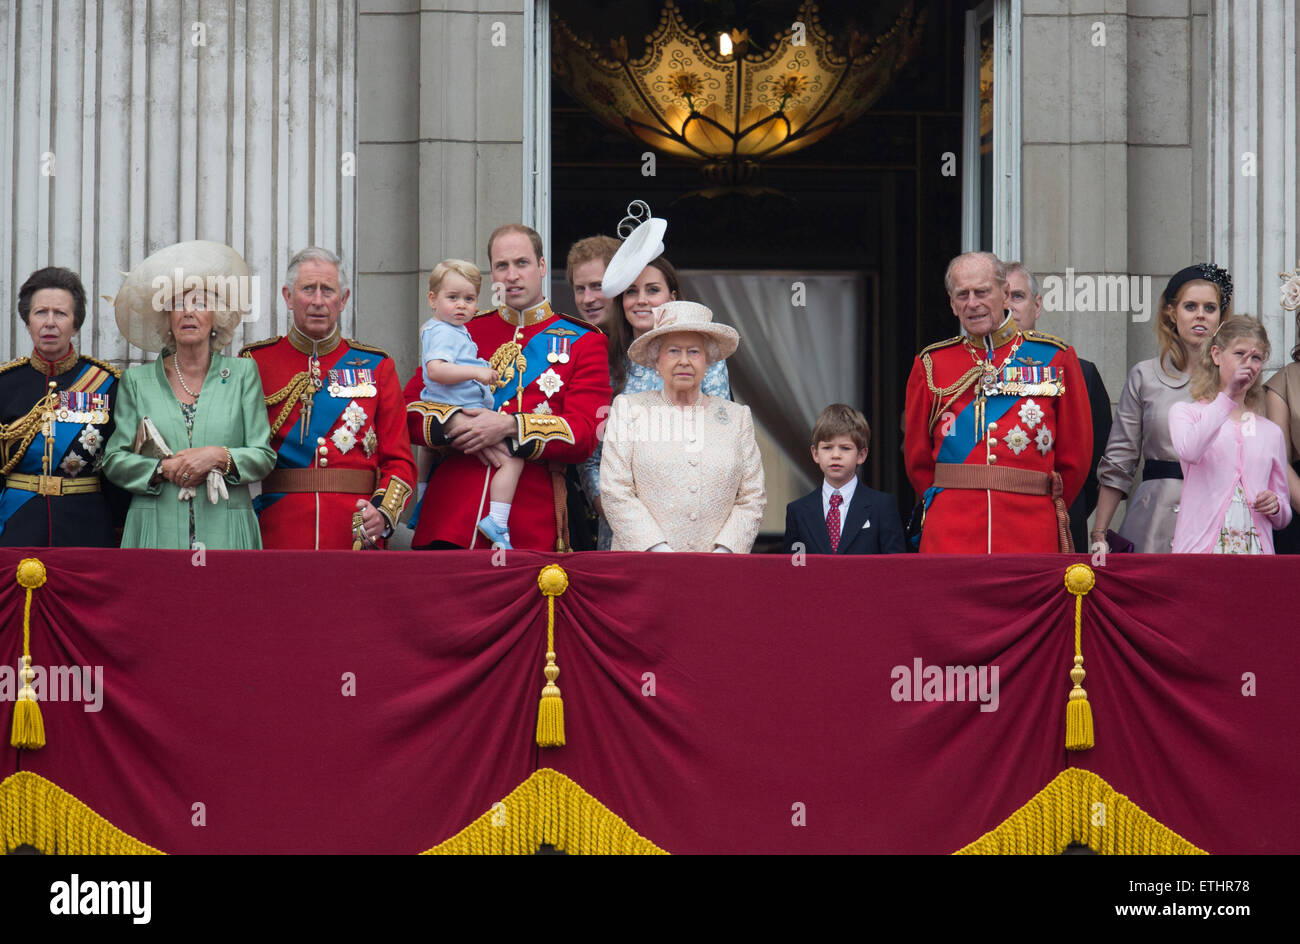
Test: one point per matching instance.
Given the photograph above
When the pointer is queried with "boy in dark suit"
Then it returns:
(843, 516)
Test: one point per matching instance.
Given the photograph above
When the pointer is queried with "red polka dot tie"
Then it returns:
(833, 521)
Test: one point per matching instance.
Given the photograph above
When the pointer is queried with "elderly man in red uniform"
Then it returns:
(338, 422)
(998, 433)
(554, 392)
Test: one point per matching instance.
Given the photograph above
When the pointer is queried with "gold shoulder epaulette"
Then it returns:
(946, 343)
(115, 371)
(1045, 338)
(247, 349)
(12, 364)
(367, 347)
(485, 311)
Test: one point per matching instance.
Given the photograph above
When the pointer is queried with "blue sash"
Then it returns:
(325, 413)
(535, 353)
(11, 499)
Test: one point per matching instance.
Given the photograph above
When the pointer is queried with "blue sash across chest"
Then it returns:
(535, 351)
(325, 413)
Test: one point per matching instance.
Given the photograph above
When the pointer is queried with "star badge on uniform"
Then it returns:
(344, 439)
(1017, 440)
(1044, 439)
(550, 383)
(370, 443)
(1031, 414)
(354, 416)
(91, 439)
(543, 407)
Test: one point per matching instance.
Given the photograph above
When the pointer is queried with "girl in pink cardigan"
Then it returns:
(1233, 458)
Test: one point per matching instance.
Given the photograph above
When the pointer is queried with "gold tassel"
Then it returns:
(28, 731)
(1079, 579)
(552, 581)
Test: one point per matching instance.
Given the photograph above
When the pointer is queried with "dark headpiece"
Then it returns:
(1202, 270)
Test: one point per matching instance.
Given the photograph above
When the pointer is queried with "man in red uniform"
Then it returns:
(337, 418)
(998, 433)
(554, 393)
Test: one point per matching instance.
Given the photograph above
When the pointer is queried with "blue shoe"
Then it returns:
(498, 536)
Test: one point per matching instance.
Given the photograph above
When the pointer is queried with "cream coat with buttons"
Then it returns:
(690, 477)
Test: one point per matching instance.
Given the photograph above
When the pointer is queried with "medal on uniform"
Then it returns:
(559, 352)
(77, 406)
(349, 383)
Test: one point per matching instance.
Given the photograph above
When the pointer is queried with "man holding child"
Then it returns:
(553, 383)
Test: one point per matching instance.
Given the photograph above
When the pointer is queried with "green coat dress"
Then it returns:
(231, 413)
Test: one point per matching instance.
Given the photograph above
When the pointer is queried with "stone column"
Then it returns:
(127, 125)
(1251, 149)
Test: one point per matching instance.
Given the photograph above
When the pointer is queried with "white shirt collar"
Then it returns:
(846, 491)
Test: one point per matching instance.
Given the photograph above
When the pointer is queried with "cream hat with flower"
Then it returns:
(677, 317)
(142, 303)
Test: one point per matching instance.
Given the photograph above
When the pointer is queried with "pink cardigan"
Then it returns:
(1214, 452)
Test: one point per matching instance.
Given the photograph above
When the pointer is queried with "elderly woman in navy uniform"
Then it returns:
(56, 414)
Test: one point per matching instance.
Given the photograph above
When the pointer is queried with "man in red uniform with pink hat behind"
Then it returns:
(553, 393)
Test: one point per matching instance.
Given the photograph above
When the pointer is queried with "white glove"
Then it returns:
(216, 487)
(662, 546)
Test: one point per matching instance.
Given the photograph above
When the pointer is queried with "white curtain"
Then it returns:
(801, 337)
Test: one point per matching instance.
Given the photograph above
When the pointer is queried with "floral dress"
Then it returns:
(1238, 534)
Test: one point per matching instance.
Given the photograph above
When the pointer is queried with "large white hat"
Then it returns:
(675, 317)
(140, 304)
(645, 245)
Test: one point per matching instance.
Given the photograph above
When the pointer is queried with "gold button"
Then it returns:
(993, 458)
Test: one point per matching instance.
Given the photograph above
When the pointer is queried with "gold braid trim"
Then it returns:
(18, 435)
(964, 383)
(289, 394)
(35, 812)
(548, 807)
(1078, 806)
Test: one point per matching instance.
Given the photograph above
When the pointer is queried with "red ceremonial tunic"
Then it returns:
(565, 399)
(362, 430)
(1043, 424)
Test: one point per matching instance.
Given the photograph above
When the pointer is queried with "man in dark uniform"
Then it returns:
(56, 414)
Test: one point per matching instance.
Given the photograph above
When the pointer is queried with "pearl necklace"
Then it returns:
(176, 366)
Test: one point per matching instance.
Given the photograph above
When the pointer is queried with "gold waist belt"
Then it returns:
(52, 484)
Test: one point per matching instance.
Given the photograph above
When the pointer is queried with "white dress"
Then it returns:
(689, 477)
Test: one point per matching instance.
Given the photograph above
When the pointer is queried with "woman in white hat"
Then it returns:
(191, 429)
(640, 278)
(681, 469)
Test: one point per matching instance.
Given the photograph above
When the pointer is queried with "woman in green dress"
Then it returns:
(191, 426)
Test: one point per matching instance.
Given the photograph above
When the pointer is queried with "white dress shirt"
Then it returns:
(846, 490)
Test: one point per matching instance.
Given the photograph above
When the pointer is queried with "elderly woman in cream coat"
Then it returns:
(681, 469)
